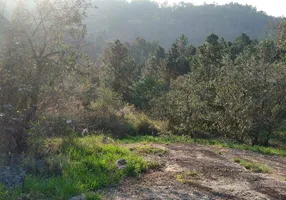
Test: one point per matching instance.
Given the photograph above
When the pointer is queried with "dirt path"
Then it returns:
(194, 172)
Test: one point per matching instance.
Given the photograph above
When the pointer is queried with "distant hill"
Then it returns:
(123, 20)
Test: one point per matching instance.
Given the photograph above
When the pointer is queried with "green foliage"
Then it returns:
(118, 69)
(9, 194)
(36, 58)
(141, 50)
(177, 60)
(142, 123)
(281, 35)
(252, 166)
(147, 90)
(251, 99)
(233, 89)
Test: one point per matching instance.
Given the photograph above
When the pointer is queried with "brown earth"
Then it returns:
(215, 176)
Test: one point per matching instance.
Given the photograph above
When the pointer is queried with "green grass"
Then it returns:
(150, 150)
(187, 177)
(9, 194)
(185, 139)
(252, 166)
(87, 165)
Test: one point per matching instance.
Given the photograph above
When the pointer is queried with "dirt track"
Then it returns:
(217, 176)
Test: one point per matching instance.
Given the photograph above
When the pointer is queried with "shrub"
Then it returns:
(142, 124)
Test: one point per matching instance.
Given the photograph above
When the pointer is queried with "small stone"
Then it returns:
(120, 163)
(69, 121)
(12, 177)
(131, 149)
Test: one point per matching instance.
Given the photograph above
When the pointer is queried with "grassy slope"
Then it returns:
(80, 166)
(84, 165)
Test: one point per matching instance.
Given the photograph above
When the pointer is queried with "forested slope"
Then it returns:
(126, 21)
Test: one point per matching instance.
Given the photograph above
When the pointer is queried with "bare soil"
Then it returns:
(218, 176)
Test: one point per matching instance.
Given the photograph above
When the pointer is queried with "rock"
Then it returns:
(120, 163)
(84, 131)
(40, 166)
(69, 121)
(131, 149)
(12, 177)
(82, 197)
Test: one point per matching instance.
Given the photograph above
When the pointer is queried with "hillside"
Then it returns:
(126, 21)
(199, 114)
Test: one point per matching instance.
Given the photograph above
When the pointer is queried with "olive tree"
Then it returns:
(38, 52)
(252, 96)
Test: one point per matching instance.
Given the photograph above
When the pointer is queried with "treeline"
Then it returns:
(233, 89)
(49, 86)
(164, 23)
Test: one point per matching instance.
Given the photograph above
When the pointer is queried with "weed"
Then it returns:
(151, 150)
(153, 165)
(188, 177)
(217, 152)
(252, 166)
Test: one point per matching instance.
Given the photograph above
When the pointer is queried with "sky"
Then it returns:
(271, 7)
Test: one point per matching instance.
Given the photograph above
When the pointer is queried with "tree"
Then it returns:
(146, 90)
(177, 59)
(141, 50)
(252, 97)
(40, 49)
(118, 69)
(208, 58)
(182, 106)
(281, 35)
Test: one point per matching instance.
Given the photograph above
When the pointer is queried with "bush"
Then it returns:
(142, 124)
(146, 90)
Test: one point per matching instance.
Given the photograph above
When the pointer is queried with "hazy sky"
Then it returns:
(271, 7)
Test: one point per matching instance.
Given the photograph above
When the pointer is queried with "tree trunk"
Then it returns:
(266, 140)
(254, 140)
